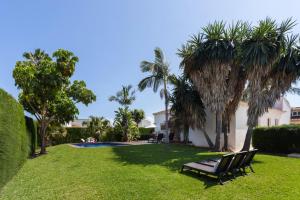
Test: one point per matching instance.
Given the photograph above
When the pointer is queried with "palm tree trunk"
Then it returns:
(186, 133)
(218, 131)
(225, 129)
(208, 140)
(166, 111)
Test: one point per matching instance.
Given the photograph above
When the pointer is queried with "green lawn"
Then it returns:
(145, 172)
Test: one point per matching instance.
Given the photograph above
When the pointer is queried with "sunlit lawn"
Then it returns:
(145, 172)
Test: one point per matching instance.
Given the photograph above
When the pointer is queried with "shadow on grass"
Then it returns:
(171, 156)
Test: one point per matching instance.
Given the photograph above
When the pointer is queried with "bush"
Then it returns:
(110, 135)
(145, 133)
(14, 142)
(60, 135)
(32, 134)
(277, 139)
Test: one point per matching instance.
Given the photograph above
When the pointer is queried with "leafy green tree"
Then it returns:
(97, 126)
(46, 90)
(124, 97)
(138, 115)
(159, 75)
(125, 124)
(187, 108)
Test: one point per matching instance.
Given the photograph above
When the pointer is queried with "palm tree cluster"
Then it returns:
(126, 121)
(97, 126)
(224, 59)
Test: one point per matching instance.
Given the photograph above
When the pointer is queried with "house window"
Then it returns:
(298, 114)
(294, 113)
(269, 122)
(276, 122)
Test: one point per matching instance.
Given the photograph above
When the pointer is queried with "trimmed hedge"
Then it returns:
(14, 142)
(277, 139)
(67, 135)
(145, 133)
(31, 127)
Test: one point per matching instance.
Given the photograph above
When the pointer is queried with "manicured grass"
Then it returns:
(145, 172)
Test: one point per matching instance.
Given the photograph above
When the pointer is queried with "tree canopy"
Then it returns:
(46, 90)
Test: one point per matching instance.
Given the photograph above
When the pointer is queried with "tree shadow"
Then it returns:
(171, 156)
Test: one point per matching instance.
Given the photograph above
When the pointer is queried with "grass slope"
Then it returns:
(145, 172)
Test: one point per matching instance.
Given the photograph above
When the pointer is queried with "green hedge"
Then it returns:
(277, 139)
(67, 135)
(14, 142)
(31, 127)
(145, 133)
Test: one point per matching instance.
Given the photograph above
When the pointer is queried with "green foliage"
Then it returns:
(125, 125)
(14, 141)
(97, 126)
(32, 134)
(124, 97)
(111, 135)
(277, 139)
(60, 135)
(145, 133)
(138, 115)
(46, 90)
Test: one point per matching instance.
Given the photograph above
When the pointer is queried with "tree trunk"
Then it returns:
(186, 134)
(166, 110)
(42, 131)
(225, 129)
(248, 138)
(208, 140)
(218, 131)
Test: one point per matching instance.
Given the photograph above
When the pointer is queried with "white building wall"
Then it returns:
(238, 125)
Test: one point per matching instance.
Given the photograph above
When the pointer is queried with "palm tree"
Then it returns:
(159, 75)
(125, 124)
(138, 115)
(260, 53)
(124, 97)
(208, 59)
(97, 126)
(187, 109)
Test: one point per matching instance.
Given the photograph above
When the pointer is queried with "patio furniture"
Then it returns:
(216, 168)
(247, 161)
(156, 139)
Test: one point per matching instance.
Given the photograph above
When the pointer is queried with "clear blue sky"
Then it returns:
(112, 37)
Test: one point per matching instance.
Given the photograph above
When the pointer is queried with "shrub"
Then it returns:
(32, 134)
(75, 134)
(145, 133)
(14, 142)
(110, 135)
(277, 139)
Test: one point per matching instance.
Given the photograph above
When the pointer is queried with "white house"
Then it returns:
(146, 123)
(77, 123)
(279, 114)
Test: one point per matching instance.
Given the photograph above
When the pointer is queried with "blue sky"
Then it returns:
(112, 37)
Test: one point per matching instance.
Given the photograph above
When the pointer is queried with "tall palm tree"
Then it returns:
(187, 109)
(159, 75)
(125, 96)
(208, 59)
(260, 53)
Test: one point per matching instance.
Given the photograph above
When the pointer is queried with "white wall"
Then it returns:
(238, 125)
(159, 119)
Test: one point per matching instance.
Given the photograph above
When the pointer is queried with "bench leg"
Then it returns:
(251, 168)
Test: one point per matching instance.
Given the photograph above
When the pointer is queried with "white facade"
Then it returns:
(278, 115)
(77, 123)
(146, 123)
